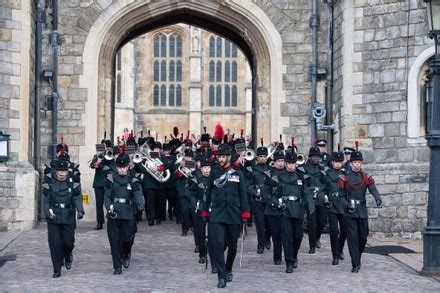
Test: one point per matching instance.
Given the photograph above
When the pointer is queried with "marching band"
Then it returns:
(217, 186)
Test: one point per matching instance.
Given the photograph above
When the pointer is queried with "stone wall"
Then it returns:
(371, 95)
(18, 203)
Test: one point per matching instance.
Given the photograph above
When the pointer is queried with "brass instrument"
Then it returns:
(271, 149)
(187, 172)
(180, 154)
(301, 159)
(245, 152)
(108, 155)
(151, 164)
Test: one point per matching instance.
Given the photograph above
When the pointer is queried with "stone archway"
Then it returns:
(242, 21)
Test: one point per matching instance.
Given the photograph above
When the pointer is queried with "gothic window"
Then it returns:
(118, 89)
(223, 75)
(167, 70)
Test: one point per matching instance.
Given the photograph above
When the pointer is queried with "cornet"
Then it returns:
(108, 155)
(300, 159)
(180, 154)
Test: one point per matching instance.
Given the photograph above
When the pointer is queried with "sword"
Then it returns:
(242, 242)
(206, 245)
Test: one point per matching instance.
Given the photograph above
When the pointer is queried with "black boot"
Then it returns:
(341, 255)
(158, 221)
(260, 250)
(202, 259)
(68, 262)
(214, 270)
(150, 222)
(355, 269)
(117, 271)
(221, 283)
(229, 277)
(318, 244)
(289, 269)
(295, 263)
(98, 226)
(268, 245)
(126, 261)
(56, 274)
(196, 250)
(335, 261)
(312, 250)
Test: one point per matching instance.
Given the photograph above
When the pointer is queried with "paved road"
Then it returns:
(163, 260)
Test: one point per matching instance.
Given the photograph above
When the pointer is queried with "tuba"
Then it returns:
(152, 165)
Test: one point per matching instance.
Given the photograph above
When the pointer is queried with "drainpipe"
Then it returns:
(40, 19)
(314, 24)
(38, 64)
(54, 42)
(329, 82)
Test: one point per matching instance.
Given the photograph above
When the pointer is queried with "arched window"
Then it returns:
(223, 72)
(167, 70)
(419, 109)
(118, 72)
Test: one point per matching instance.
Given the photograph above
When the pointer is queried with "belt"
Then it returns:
(62, 205)
(121, 200)
(291, 198)
(359, 201)
(335, 194)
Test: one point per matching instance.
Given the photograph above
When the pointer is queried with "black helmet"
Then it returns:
(224, 149)
(122, 160)
(337, 156)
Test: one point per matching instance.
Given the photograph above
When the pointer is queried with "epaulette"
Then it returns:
(75, 185)
(106, 168)
(110, 177)
(249, 168)
(46, 185)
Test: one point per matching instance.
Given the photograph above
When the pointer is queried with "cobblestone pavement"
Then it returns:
(163, 260)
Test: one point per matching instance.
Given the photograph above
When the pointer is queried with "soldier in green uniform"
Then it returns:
(62, 198)
(354, 186)
(197, 185)
(256, 197)
(272, 212)
(336, 207)
(103, 166)
(317, 221)
(185, 214)
(289, 196)
(122, 193)
(226, 207)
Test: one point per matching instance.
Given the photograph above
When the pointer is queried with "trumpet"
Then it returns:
(248, 155)
(187, 172)
(108, 155)
(301, 159)
(138, 157)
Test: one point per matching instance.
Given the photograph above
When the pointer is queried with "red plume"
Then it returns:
(204, 129)
(142, 133)
(219, 133)
(62, 138)
(339, 147)
(157, 135)
(281, 138)
(293, 142)
(187, 134)
(149, 132)
(241, 135)
(105, 134)
(181, 137)
(165, 138)
(131, 133)
(176, 131)
(225, 138)
(357, 144)
(261, 140)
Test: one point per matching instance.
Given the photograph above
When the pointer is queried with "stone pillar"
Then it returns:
(195, 87)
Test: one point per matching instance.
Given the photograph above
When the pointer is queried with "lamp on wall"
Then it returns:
(431, 235)
(4, 147)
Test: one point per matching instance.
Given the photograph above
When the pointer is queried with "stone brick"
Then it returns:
(376, 130)
(408, 199)
(391, 129)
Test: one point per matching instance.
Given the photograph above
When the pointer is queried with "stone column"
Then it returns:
(195, 87)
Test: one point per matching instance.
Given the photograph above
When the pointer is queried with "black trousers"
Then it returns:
(291, 234)
(337, 233)
(185, 213)
(267, 231)
(150, 207)
(357, 233)
(199, 232)
(224, 235)
(171, 196)
(99, 197)
(160, 202)
(121, 236)
(257, 209)
(315, 224)
(275, 229)
(61, 242)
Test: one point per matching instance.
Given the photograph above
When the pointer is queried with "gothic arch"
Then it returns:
(243, 22)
